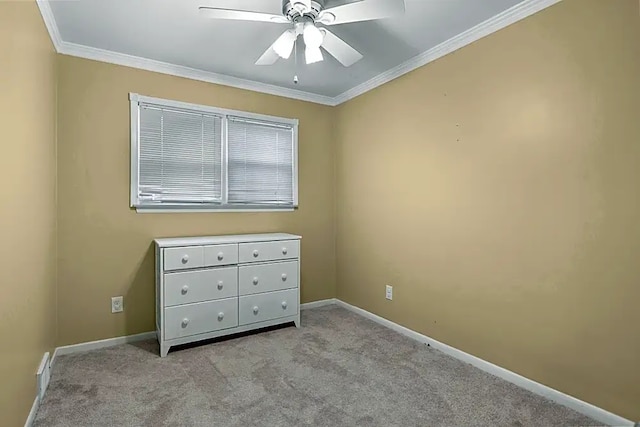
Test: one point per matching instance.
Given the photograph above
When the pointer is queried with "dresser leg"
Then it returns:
(297, 321)
(164, 350)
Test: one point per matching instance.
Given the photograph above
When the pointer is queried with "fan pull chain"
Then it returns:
(295, 62)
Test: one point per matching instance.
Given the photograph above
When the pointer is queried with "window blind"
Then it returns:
(260, 162)
(187, 157)
(180, 159)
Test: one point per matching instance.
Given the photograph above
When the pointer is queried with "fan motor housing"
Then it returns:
(292, 13)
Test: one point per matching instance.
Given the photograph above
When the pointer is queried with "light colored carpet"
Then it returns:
(339, 369)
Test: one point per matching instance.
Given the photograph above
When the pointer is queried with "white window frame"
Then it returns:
(135, 100)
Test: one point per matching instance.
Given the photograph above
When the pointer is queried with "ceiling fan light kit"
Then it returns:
(313, 55)
(305, 16)
(312, 35)
(283, 46)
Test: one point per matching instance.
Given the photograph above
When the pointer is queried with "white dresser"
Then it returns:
(208, 287)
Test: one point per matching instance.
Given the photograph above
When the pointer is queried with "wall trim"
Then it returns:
(33, 412)
(111, 57)
(94, 345)
(510, 16)
(110, 342)
(317, 304)
(504, 19)
(598, 414)
(81, 51)
(50, 23)
(42, 382)
(43, 376)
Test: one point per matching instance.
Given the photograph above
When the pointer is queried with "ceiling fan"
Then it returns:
(304, 16)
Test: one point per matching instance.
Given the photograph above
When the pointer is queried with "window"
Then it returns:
(190, 157)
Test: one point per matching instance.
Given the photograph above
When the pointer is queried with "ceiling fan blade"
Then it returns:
(241, 15)
(364, 10)
(269, 57)
(340, 49)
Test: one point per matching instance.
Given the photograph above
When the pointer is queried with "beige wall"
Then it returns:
(105, 247)
(27, 205)
(497, 189)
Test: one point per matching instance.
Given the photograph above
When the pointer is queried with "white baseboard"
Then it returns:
(317, 304)
(93, 345)
(33, 412)
(110, 342)
(42, 382)
(559, 397)
(43, 376)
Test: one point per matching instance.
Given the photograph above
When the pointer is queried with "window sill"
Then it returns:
(151, 210)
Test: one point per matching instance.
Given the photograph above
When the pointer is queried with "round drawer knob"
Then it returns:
(220, 286)
(284, 251)
(255, 309)
(185, 322)
(220, 256)
(185, 289)
(185, 259)
(284, 305)
(256, 253)
(220, 316)
(255, 280)
(284, 277)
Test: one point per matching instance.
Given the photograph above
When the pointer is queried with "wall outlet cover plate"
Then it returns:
(117, 305)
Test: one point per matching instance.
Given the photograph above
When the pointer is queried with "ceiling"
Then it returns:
(172, 32)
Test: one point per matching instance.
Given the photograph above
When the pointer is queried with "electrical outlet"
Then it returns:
(389, 292)
(116, 304)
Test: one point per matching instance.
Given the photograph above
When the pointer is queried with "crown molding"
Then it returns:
(81, 51)
(504, 19)
(50, 23)
(103, 55)
(510, 16)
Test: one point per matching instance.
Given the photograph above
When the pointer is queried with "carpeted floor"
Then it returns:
(339, 369)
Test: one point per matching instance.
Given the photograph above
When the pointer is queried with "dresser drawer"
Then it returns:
(253, 279)
(199, 318)
(272, 305)
(267, 251)
(220, 255)
(183, 258)
(200, 285)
